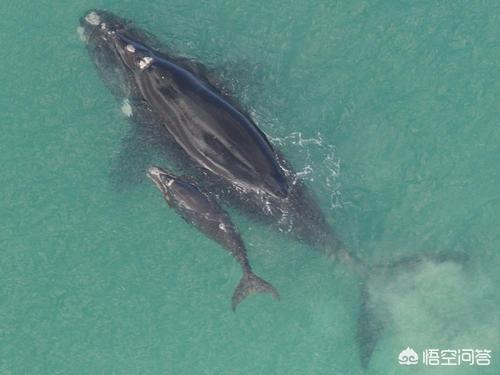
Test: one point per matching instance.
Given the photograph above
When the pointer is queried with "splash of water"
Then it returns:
(315, 161)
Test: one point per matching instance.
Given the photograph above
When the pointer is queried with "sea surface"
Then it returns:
(390, 110)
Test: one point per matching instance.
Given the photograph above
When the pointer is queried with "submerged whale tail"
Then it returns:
(251, 283)
(370, 327)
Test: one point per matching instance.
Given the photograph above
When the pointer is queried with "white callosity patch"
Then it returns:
(154, 171)
(126, 108)
(93, 18)
(130, 48)
(145, 62)
(222, 227)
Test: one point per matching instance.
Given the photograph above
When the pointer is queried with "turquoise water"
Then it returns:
(390, 110)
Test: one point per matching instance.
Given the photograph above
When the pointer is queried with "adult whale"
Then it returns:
(200, 210)
(211, 130)
(204, 132)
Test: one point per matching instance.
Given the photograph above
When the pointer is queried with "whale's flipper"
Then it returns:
(370, 327)
(146, 143)
(251, 283)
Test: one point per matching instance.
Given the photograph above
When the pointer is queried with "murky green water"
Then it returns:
(391, 110)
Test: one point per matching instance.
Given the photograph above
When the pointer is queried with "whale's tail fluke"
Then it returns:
(370, 327)
(251, 283)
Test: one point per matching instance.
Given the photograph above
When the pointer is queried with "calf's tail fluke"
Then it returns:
(251, 283)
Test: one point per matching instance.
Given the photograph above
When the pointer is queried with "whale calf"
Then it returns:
(199, 210)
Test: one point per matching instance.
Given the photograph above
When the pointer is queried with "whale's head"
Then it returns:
(98, 29)
(98, 17)
(163, 180)
(116, 47)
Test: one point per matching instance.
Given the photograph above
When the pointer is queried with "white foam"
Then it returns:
(315, 161)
